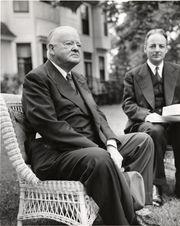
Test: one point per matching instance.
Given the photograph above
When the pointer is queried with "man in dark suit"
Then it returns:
(147, 89)
(70, 139)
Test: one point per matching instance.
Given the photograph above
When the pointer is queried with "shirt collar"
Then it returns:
(153, 67)
(63, 72)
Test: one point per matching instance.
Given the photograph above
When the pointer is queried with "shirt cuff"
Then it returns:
(112, 142)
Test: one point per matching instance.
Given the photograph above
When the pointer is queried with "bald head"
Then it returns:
(63, 45)
(58, 31)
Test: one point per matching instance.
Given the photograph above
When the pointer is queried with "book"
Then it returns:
(171, 113)
(171, 110)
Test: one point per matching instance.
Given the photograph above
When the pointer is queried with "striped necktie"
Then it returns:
(70, 80)
(157, 74)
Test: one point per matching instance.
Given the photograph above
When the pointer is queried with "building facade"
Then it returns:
(26, 24)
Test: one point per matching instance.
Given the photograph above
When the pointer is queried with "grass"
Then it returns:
(167, 215)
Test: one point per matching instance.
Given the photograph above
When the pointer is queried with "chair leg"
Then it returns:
(21, 202)
(19, 223)
(84, 215)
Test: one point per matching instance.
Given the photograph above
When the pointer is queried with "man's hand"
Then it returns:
(116, 156)
(154, 117)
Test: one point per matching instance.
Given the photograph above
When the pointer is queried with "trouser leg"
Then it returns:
(159, 136)
(138, 152)
(96, 170)
(174, 134)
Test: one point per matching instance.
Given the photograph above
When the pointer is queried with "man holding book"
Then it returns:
(147, 89)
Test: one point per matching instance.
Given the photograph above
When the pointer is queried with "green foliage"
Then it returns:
(11, 84)
(141, 16)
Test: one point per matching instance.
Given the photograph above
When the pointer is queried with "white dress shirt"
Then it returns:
(63, 72)
(153, 67)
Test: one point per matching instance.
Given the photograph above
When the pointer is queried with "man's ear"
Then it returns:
(51, 49)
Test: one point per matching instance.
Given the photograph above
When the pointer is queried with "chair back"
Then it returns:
(14, 135)
(14, 105)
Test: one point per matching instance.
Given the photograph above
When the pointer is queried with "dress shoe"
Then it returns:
(157, 198)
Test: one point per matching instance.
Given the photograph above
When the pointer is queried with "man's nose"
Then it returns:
(75, 45)
(157, 48)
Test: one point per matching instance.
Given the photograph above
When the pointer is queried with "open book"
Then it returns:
(171, 113)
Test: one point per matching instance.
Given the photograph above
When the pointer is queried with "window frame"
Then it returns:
(102, 70)
(88, 62)
(20, 10)
(44, 52)
(27, 61)
(105, 27)
(85, 22)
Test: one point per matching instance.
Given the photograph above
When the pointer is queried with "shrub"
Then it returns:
(11, 84)
(113, 92)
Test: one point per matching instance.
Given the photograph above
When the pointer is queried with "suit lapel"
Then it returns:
(87, 96)
(170, 78)
(145, 83)
(63, 86)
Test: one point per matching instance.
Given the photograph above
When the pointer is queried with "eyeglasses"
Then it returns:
(70, 44)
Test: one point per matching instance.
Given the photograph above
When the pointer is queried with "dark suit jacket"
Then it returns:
(52, 110)
(138, 98)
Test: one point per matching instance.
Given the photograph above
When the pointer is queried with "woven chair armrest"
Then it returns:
(56, 186)
(12, 147)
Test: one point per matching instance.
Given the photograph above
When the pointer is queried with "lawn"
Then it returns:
(167, 215)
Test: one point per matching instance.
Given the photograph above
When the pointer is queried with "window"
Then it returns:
(101, 68)
(44, 52)
(20, 6)
(24, 58)
(88, 69)
(85, 19)
(105, 25)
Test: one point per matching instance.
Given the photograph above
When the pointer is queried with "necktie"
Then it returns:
(70, 80)
(157, 74)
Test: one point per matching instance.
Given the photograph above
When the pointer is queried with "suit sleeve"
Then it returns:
(40, 112)
(130, 104)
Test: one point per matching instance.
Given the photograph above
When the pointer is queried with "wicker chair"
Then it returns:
(62, 201)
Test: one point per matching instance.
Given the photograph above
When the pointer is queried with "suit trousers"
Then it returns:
(163, 134)
(95, 169)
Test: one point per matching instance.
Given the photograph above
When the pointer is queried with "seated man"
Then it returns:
(70, 139)
(147, 89)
